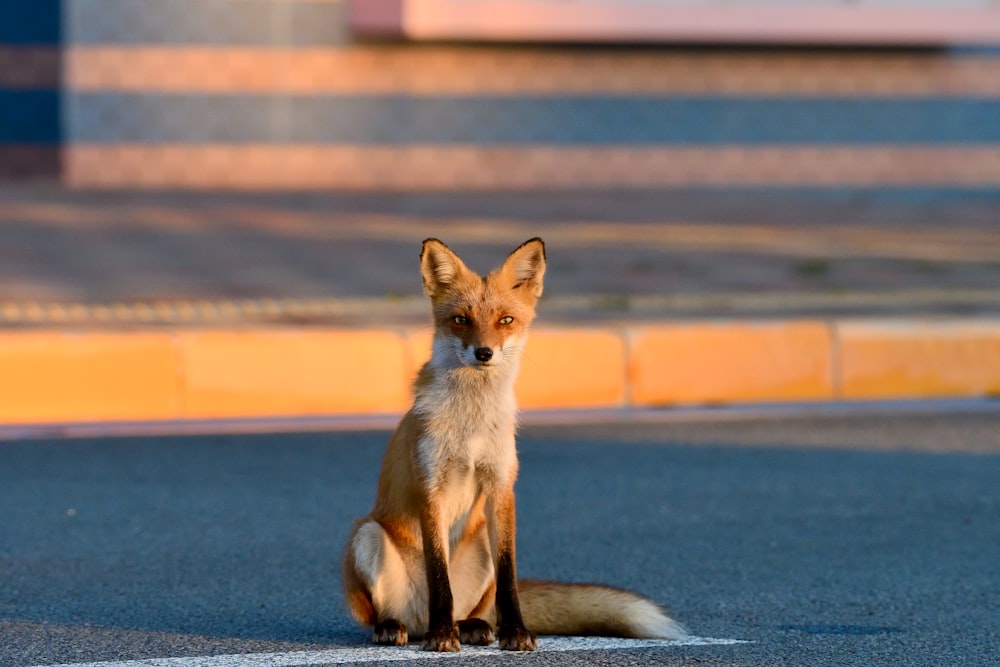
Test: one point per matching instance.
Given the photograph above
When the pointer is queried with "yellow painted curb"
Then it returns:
(418, 350)
(919, 359)
(560, 368)
(572, 368)
(730, 362)
(61, 377)
(291, 372)
(52, 376)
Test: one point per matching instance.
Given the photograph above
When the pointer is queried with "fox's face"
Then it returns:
(481, 323)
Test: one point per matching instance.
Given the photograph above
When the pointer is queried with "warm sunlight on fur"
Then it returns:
(436, 556)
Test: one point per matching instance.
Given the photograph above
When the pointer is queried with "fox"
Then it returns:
(435, 558)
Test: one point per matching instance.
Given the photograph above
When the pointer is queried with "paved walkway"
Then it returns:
(113, 259)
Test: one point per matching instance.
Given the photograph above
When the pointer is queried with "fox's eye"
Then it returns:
(506, 319)
(460, 319)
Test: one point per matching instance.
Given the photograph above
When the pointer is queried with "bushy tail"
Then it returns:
(551, 608)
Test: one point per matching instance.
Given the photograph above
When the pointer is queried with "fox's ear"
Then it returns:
(439, 266)
(526, 266)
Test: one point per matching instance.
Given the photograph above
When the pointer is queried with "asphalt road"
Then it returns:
(842, 540)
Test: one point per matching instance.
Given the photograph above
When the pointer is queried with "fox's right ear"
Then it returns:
(439, 266)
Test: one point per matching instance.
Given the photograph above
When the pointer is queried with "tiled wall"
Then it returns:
(31, 136)
(274, 94)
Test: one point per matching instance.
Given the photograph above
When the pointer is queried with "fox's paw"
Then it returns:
(442, 641)
(390, 633)
(476, 632)
(517, 639)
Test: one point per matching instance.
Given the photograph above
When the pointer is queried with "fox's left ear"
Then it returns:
(526, 266)
(439, 266)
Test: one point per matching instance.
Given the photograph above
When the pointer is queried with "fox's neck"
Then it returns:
(469, 419)
(468, 394)
(491, 386)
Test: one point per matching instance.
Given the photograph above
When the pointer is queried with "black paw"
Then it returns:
(476, 631)
(517, 639)
(390, 633)
(442, 641)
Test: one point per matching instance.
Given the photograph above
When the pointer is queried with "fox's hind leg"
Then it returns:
(476, 632)
(384, 581)
(473, 583)
(477, 627)
(390, 632)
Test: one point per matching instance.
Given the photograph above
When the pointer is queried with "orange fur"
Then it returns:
(439, 543)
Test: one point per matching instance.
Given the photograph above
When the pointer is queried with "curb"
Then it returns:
(54, 376)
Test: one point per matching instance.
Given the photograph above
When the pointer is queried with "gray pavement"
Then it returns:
(351, 258)
(850, 539)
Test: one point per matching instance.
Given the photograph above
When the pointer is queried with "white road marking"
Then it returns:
(344, 655)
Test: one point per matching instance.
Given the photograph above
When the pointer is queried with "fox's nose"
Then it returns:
(484, 354)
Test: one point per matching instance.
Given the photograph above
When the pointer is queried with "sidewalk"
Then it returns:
(156, 306)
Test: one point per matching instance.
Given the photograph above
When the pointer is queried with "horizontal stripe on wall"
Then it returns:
(571, 120)
(30, 116)
(30, 67)
(434, 167)
(31, 21)
(441, 70)
(831, 22)
(817, 22)
(206, 22)
(20, 161)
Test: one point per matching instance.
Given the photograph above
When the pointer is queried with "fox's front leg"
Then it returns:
(442, 634)
(501, 518)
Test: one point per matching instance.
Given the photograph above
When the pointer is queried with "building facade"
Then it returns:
(441, 94)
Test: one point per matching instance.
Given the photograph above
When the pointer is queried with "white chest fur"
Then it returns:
(468, 445)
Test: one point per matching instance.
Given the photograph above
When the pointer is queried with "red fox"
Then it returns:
(438, 547)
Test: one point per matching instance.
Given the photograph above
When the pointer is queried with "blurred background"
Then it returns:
(206, 160)
(759, 201)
